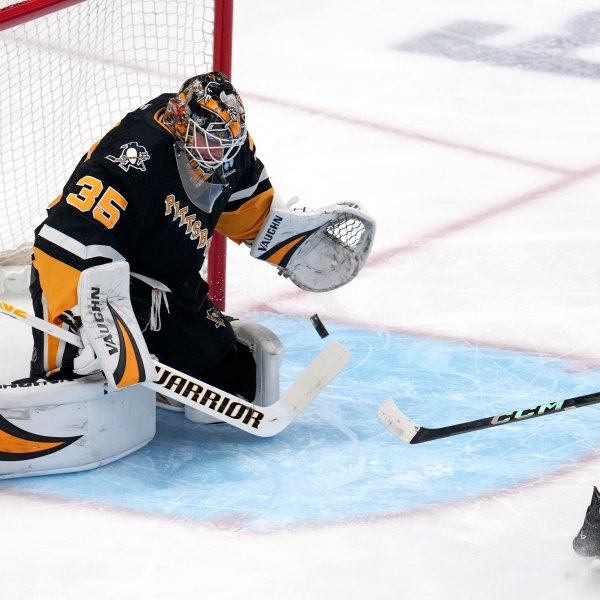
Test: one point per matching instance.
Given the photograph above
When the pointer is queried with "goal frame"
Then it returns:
(28, 10)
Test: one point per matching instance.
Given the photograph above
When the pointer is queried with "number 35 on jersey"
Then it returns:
(107, 205)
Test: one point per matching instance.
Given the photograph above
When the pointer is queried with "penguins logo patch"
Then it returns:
(133, 156)
(212, 314)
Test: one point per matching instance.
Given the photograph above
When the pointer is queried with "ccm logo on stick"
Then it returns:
(528, 412)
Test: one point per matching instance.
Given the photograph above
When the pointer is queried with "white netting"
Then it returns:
(67, 77)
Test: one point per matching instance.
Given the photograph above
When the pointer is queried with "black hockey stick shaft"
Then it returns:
(413, 433)
(425, 434)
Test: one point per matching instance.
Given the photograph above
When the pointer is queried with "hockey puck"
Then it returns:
(318, 325)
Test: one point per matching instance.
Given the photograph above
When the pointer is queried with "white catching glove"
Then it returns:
(113, 341)
(319, 250)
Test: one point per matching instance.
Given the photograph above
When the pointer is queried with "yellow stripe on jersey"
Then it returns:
(244, 223)
(52, 347)
(95, 144)
(55, 201)
(58, 282)
(91, 150)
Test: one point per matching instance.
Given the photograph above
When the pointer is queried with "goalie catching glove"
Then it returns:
(113, 341)
(319, 250)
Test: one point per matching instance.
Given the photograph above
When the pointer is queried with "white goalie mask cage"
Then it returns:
(212, 145)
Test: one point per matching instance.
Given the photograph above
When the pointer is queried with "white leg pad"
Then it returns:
(71, 426)
(267, 350)
(268, 354)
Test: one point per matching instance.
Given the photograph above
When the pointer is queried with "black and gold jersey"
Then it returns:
(125, 201)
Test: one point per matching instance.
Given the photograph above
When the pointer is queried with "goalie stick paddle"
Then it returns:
(262, 421)
(410, 432)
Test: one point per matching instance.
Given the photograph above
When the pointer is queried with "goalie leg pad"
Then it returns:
(67, 426)
(267, 350)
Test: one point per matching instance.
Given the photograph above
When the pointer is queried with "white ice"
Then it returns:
(484, 181)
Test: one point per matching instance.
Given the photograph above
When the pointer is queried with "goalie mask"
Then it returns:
(208, 120)
(207, 117)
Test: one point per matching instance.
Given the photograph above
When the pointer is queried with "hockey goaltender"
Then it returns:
(116, 265)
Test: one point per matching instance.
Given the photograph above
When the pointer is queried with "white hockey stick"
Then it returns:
(263, 421)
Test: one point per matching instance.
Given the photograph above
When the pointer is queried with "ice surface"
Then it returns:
(471, 130)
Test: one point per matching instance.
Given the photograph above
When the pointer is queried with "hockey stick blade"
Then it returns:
(395, 421)
(262, 421)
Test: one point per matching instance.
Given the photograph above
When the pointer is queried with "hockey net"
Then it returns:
(70, 69)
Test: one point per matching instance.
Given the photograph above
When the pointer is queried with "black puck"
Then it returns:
(318, 325)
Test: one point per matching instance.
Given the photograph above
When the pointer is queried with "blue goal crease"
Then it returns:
(336, 462)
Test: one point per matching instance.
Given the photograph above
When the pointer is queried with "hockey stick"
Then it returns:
(263, 421)
(412, 433)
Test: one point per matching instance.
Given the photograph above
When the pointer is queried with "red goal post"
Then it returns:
(70, 69)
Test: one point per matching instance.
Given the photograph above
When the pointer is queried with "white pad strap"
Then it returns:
(319, 250)
(109, 326)
(159, 295)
